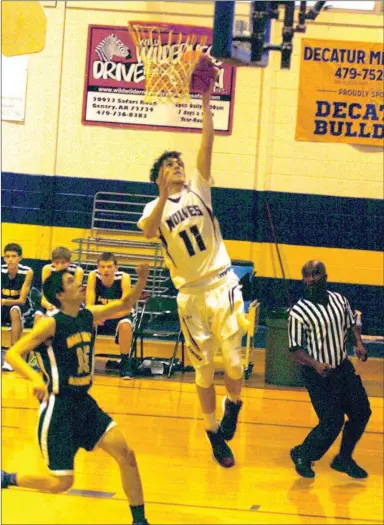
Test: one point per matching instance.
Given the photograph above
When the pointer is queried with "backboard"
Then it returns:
(243, 39)
(234, 23)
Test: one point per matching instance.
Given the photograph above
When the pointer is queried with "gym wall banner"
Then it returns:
(115, 83)
(341, 92)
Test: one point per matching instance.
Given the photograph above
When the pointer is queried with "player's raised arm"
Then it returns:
(204, 156)
(127, 301)
(151, 223)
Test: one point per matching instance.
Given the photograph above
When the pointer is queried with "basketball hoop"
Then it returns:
(168, 61)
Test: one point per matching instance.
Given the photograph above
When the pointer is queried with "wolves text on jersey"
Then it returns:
(181, 215)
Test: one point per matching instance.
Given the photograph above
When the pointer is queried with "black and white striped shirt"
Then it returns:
(320, 330)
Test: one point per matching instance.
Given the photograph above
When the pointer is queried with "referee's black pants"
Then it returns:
(341, 392)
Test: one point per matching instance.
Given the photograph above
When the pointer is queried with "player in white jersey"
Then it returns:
(210, 302)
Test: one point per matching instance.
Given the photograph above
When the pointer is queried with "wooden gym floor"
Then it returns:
(161, 420)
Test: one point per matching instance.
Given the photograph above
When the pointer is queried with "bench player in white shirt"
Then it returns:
(210, 302)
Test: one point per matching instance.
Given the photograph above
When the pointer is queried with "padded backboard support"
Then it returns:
(223, 24)
(232, 41)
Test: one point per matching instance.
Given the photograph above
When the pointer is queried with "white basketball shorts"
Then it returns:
(209, 315)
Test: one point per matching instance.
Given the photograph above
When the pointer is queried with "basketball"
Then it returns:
(202, 75)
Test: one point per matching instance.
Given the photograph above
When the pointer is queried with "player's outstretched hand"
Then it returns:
(142, 271)
(213, 73)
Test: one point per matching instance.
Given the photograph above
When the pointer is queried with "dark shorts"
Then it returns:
(24, 309)
(110, 326)
(67, 424)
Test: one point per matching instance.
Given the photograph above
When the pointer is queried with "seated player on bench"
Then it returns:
(105, 284)
(16, 281)
(61, 260)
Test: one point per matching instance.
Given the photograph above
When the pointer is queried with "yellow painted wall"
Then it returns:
(287, 165)
(261, 153)
(102, 152)
(31, 146)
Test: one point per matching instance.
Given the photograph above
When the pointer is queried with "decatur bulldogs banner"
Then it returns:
(115, 84)
(341, 92)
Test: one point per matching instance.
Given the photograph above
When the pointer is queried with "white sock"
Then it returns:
(210, 421)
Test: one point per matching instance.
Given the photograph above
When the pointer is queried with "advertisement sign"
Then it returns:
(341, 92)
(115, 82)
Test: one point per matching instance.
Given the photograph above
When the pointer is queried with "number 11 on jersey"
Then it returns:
(188, 243)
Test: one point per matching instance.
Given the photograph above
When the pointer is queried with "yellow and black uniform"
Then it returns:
(71, 419)
(72, 268)
(104, 294)
(11, 289)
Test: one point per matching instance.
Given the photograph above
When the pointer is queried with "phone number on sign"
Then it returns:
(121, 113)
(364, 74)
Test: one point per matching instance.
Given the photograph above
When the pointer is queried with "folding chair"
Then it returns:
(159, 319)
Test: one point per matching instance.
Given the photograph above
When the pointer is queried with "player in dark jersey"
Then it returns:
(103, 285)
(16, 281)
(61, 260)
(69, 417)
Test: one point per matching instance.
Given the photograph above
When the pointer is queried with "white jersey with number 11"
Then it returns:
(193, 247)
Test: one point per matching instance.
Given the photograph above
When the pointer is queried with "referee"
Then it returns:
(317, 329)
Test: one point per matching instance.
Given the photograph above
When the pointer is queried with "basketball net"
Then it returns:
(169, 64)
